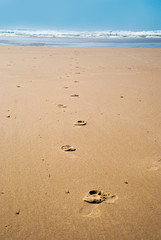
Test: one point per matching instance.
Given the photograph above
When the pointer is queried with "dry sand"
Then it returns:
(117, 91)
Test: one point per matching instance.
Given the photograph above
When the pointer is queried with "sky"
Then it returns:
(134, 15)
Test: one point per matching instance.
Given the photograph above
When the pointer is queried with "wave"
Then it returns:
(80, 34)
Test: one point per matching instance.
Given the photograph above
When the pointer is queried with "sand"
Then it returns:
(43, 93)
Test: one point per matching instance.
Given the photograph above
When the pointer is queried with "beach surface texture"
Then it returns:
(80, 143)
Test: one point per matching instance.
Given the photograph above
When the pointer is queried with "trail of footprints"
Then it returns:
(94, 197)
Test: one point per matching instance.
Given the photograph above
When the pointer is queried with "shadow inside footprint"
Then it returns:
(68, 148)
(74, 95)
(61, 106)
(80, 123)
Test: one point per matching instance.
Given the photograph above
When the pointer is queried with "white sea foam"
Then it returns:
(80, 34)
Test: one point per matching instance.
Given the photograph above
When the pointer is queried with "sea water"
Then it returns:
(25, 37)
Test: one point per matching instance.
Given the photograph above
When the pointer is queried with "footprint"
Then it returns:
(74, 95)
(156, 166)
(90, 211)
(95, 196)
(111, 199)
(68, 148)
(80, 123)
(18, 212)
(61, 106)
(76, 81)
(65, 87)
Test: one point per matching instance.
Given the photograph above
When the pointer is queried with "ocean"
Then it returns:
(26, 37)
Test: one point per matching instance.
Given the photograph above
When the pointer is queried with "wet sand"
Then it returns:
(44, 92)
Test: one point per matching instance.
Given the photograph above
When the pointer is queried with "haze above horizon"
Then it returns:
(135, 15)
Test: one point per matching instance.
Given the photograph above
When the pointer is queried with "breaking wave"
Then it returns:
(80, 34)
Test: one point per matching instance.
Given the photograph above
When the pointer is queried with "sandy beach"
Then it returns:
(43, 92)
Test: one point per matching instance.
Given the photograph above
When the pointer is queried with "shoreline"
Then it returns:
(80, 42)
(44, 92)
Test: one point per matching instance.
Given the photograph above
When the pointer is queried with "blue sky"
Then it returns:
(81, 14)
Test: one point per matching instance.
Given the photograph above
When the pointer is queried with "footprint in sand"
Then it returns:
(74, 95)
(18, 212)
(95, 196)
(61, 106)
(90, 211)
(156, 166)
(80, 123)
(76, 81)
(68, 148)
(65, 87)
